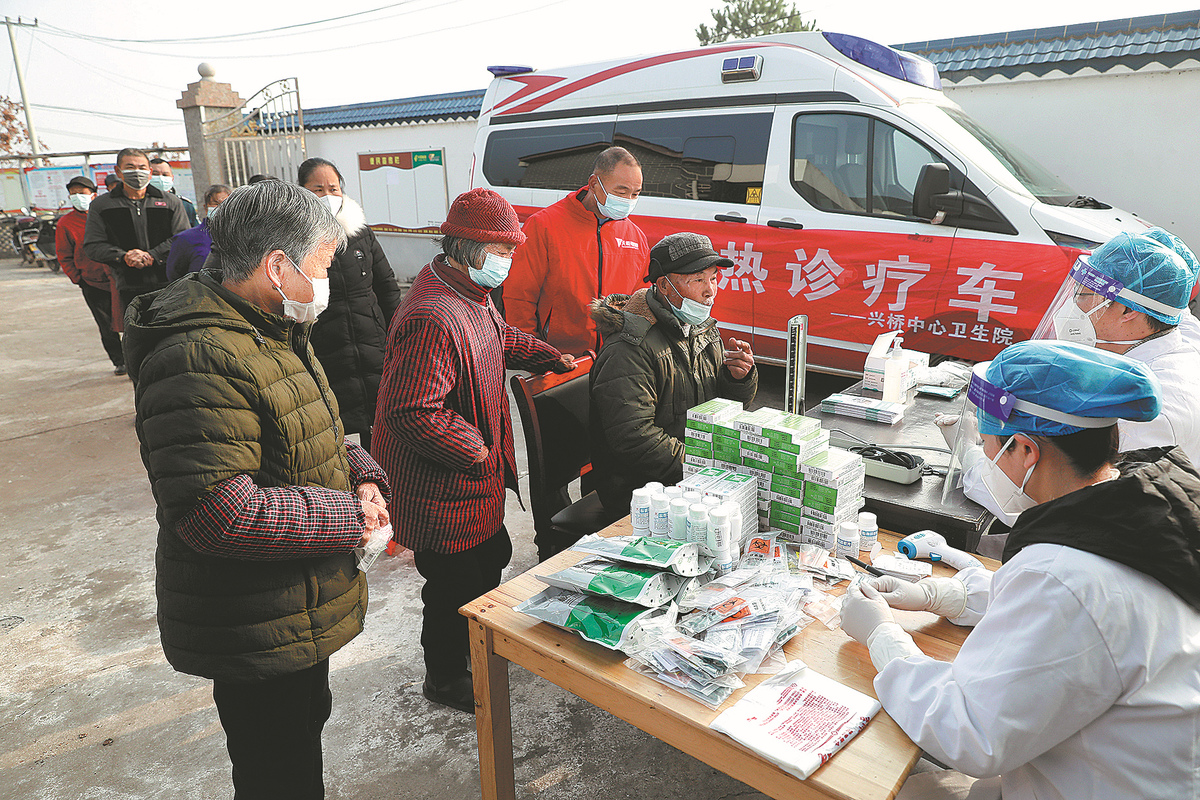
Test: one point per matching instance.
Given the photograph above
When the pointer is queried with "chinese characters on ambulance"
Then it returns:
(816, 278)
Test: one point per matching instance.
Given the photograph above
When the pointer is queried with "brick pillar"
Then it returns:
(203, 101)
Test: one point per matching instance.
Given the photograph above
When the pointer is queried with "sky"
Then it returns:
(96, 93)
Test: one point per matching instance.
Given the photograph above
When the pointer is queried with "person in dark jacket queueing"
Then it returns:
(662, 355)
(443, 432)
(190, 248)
(261, 500)
(129, 229)
(363, 295)
(90, 276)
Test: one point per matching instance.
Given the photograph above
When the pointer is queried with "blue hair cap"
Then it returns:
(1071, 379)
(1145, 264)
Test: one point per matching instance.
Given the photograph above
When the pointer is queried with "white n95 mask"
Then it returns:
(331, 201)
(306, 312)
(1007, 499)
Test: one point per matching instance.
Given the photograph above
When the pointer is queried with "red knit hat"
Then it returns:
(481, 215)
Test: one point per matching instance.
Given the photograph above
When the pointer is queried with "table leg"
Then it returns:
(493, 720)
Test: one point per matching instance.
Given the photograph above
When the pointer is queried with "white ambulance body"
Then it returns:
(799, 156)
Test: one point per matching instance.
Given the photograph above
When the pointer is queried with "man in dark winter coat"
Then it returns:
(90, 276)
(443, 432)
(130, 228)
(260, 499)
(662, 355)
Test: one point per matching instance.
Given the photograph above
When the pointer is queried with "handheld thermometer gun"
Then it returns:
(927, 544)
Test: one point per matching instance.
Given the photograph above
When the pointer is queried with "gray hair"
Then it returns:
(467, 252)
(258, 219)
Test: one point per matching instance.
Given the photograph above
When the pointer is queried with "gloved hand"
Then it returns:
(863, 610)
(946, 597)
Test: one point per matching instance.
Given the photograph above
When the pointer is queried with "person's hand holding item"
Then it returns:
(739, 359)
(565, 364)
(370, 491)
(375, 513)
(949, 425)
(864, 610)
(946, 597)
(866, 618)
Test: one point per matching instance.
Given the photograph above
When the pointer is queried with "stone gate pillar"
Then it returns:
(203, 101)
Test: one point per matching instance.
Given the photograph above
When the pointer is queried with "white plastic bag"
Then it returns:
(365, 556)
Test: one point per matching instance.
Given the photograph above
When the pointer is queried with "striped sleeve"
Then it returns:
(239, 519)
(422, 371)
(525, 351)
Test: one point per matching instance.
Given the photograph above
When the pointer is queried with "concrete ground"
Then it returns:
(90, 709)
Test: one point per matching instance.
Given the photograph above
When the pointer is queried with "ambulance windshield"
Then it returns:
(1011, 165)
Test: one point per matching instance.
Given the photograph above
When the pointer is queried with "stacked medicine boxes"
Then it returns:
(805, 487)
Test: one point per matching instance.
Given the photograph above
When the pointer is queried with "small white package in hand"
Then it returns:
(365, 556)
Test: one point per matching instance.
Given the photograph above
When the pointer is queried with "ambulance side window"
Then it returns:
(719, 158)
(856, 164)
(554, 157)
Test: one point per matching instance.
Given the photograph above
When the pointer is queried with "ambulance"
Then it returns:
(831, 170)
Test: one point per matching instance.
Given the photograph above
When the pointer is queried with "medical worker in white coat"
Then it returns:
(1081, 677)
(1130, 296)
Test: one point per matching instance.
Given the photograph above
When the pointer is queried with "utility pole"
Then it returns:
(12, 40)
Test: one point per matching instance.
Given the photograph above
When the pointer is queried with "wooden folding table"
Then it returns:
(873, 765)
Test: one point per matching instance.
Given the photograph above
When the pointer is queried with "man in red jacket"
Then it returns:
(442, 429)
(582, 247)
(90, 276)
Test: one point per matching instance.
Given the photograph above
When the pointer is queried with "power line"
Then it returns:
(112, 75)
(224, 37)
(112, 114)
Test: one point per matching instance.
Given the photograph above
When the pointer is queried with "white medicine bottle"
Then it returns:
(893, 375)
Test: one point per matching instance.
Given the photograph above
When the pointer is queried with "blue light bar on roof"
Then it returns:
(881, 58)
(737, 69)
(504, 72)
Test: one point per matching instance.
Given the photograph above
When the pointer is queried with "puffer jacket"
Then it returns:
(224, 388)
(349, 336)
(645, 378)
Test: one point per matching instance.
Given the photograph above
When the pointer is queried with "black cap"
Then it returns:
(683, 254)
(79, 180)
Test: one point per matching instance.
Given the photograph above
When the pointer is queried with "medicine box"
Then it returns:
(696, 461)
(699, 480)
(829, 495)
(834, 467)
(713, 412)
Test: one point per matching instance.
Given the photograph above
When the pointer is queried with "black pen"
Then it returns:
(876, 572)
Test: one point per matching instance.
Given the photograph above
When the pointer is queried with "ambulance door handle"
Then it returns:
(729, 218)
(785, 223)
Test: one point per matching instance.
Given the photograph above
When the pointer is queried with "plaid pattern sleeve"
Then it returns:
(525, 351)
(363, 469)
(423, 365)
(238, 519)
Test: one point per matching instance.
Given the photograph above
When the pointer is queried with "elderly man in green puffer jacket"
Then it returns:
(260, 500)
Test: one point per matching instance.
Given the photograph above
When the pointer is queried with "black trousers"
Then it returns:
(451, 581)
(100, 303)
(273, 733)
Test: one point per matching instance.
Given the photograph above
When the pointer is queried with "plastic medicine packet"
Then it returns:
(365, 556)
(797, 719)
(644, 586)
(612, 623)
(682, 558)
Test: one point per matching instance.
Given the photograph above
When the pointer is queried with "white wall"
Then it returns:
(407, 253)
(1126, 138)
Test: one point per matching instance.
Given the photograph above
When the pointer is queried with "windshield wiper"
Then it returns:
(1083, 201)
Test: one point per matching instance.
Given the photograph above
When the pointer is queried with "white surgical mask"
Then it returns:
(1073, 324)
(80, 202)
(1008, 499)
(332, 201)
(493, 272)
(615, 207)
(306, 312)
(689, 311)
(136, 179)
(162, 182)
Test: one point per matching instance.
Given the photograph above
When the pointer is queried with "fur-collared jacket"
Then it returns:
(647, 375)
(349, 336)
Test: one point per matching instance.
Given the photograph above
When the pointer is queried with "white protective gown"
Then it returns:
(1081, 681)
(1175, 361)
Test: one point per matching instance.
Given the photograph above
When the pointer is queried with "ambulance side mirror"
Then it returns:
(933, 193)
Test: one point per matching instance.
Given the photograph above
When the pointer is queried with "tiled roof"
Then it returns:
(427, 108)
(1167, 39)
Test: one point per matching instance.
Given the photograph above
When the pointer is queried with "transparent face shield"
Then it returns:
(998, 404)
(1084, 295)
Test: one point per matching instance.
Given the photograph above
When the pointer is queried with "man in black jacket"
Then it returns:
(131, 227)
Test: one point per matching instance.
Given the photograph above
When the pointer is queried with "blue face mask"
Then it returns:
(689, 311)
(493, 272)
(614, 207)
(162, 182)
